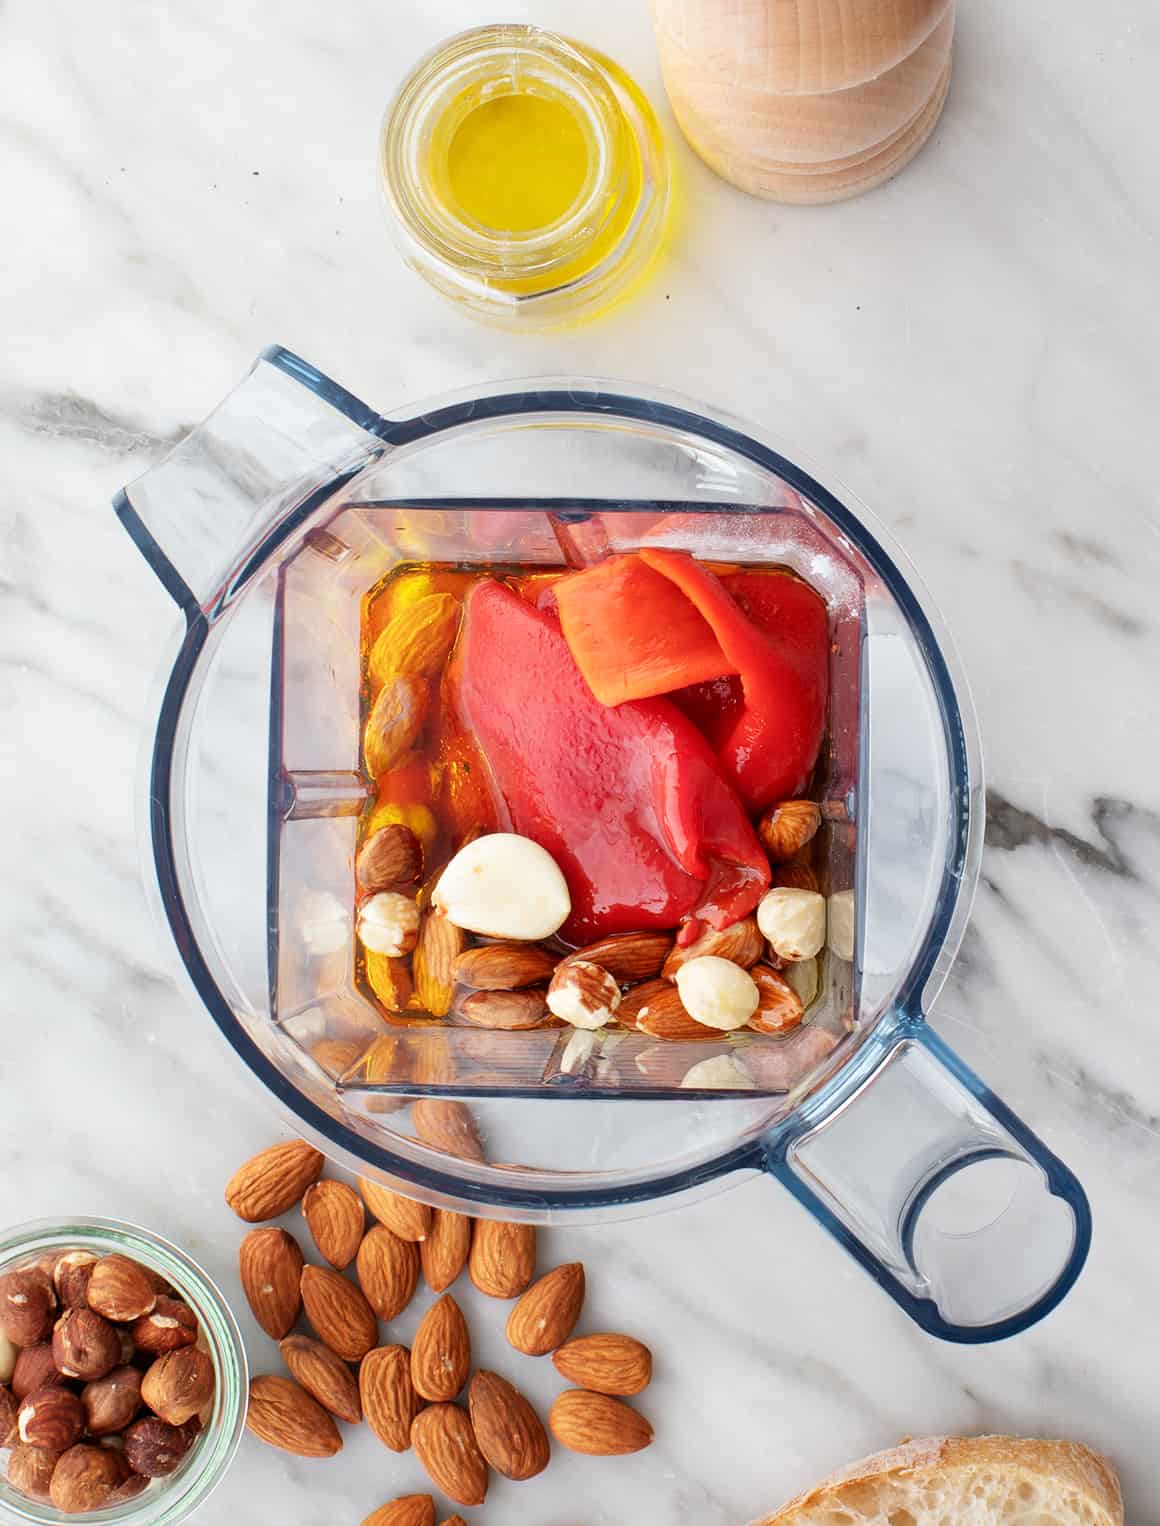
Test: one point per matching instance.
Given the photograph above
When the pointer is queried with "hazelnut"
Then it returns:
(389, 924)
(120, 1289)
(717, 992)
(178, 1384)
(112, 1401)
(504, 886)
(70, 1277)
(30, 1470)
(794, 921)
(27, 1302)
(154, 1449)
(86, 1478)
(84, 1345)
(583, 994)
(52, 1418)
(8, 1407)
(786, 828)
(7, 1358)
(35, 1368)
(171, 1325)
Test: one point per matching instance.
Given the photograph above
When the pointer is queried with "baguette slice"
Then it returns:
(979, 1481)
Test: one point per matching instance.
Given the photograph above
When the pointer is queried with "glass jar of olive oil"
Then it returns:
(526, 176)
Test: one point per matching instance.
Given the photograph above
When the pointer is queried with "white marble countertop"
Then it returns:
(972, 349)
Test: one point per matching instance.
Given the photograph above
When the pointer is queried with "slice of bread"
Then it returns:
(979, 1481)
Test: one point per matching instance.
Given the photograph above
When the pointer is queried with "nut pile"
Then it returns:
(461, 1423)
(103, 1385)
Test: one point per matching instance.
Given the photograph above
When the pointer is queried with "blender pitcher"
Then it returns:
(269, 524)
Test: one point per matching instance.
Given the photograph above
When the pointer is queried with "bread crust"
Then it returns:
(1068, 1463)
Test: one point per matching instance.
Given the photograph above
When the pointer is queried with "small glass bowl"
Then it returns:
(166, 1500)
(598, 248)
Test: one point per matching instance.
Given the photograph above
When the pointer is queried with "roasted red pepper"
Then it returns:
(629, 800)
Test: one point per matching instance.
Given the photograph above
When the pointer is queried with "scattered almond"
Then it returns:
(447, 1125)
(407, 1510)
(284, 1415)
(741, 944)
(502, 1260)
(388, 1270)
(441, 1351)
(323, 1375)
(656, 1008)
(545, 1316)
(606, 1363)
(270, 1266)
(273, 1181)
(779, 1007)
(433, 966)
(339, 1313)
(335, 1216)
(503, 966)
(445, 1444)
(389, 1400)
(445, 1250)
(509, 1010)
(397, 716)
(786, 828)
(628, 957)
(389, 858)
(597, 1424)
(403, 1216)
(507, 1429)
(417, 639)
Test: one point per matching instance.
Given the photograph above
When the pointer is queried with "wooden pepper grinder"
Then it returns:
(806, 100)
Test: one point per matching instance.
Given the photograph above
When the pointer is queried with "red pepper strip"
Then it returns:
(633, 633)
(629, 801)
(780, 649)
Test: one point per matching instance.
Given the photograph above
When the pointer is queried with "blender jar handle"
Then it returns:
(946, 1198)
(276, 446)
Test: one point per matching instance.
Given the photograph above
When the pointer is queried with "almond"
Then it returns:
(402, 1215)
(628, 957)
(389, 858)
(779, 1007)
(273, 1181)
(270, 1267)
(507, 1429)
(336, 1218)
(389, 1400)
(453, 1520)
(119, 1289)
(503, 1009)
(387, 1062)
(284, 1415)
(389, 978)
(597, 1425)
(397, 716)
(440, 945)
(741, 943)
(502, 1261)
(503, 966)
(323, 1375)
(445, 1445)
(388, 1271)
(336, 1056)
(407, 1510)
(417, 639)
(447, 1125)
(339, 1313)
(445, 1250)
(441, 1351)
(786, 828)
(607, 1363)
(434, 1063)
(656, 1008)
(546, 1314)
(794, 877)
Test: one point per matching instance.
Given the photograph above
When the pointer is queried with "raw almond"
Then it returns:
(453, 1520)
(270, 1267)
(741, 944)
(284, 1415)
(323, 1375)
(445, 1444)
(389, 858)
(434, 1062)
(597, 1424)
(656, 1008)
(388, 1271)
(628, 956)
(441, 1351)
(606, 1363)
(407, 1510)
(440, 945)
(402, 1215)
(779, 1007)
(273, 1181)
(509, 1010)
(786, 828)
(389, 978)
(546, 1314)
(389, 1400)
(447, 1125)
(503, 966)
(502, 1261)
(336, 1056)
(339, 1313)
(335, 1216)
(397, 716)
(417, 639)
(445, 1250)
(510, 1434)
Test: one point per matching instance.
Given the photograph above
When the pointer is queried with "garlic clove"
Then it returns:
(504, 886)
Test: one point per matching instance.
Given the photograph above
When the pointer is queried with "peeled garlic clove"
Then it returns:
(802, 975)
(504, 886)
(718, 1074)
(717, 992)
(794, 921)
